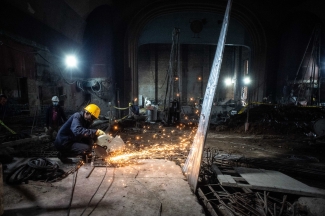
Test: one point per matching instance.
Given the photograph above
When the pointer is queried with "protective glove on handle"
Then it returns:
(100, 132)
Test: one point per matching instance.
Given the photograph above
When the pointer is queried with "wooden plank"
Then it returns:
(275, 181)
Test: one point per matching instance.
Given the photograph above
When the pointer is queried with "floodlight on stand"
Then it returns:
(71, 61)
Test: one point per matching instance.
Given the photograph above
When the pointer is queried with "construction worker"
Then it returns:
(3, 108)
(3, 99)
(55, 117)
(75, 138)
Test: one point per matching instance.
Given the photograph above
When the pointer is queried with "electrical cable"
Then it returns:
(95, 192)
(118, 108)
(1, 43)
(79, 85)
(103, 194)
(35, 169)
(75, 176)
(100, 87)
(309, 61)
(311, 36)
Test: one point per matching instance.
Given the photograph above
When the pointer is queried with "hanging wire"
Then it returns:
(303, 57)
(312, 57)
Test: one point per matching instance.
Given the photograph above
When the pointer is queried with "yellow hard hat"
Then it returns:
(93, 109)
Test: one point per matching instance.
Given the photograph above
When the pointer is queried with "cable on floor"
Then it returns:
(103, 194)
(37, 169)
(75, 176)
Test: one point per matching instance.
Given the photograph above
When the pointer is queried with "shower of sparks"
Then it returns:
(164, 148)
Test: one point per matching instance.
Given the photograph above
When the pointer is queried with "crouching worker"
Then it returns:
(75, 138)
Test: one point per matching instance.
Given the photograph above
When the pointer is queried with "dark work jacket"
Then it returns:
(61, 116)
(75, 130)
(2, 111)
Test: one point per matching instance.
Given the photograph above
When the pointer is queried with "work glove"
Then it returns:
(100, 132)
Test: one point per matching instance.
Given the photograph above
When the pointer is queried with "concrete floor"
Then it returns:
(147, 187)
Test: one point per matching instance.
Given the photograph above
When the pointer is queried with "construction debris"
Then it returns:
(226, 189)
(277, 119)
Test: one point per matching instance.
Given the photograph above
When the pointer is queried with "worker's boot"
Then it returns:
(64, 159)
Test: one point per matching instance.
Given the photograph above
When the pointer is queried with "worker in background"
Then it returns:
(3, 108)
(174, 112)
(55, 117)
(3, 101)
(133, 110)
(75, 138)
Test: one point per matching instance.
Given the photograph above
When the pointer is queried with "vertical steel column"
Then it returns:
(192, 165)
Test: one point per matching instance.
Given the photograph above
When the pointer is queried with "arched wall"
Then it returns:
(241, 14)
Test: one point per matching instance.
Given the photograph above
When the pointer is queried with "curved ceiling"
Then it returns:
(195, 28)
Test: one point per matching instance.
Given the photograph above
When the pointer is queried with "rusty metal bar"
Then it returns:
(207, 203)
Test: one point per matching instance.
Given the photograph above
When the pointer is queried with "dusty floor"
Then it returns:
(145, 187)
(155, 142)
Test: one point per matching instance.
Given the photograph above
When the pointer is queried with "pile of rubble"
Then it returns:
(274, 119)
(229, 185)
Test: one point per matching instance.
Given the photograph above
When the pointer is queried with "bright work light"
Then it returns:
(71, 61)
(228, 81)
(247, 80)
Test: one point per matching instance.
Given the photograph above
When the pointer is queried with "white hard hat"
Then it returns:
(55, 99)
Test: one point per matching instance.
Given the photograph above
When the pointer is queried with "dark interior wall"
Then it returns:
(102, 48)
(17, 22)
(195, 64)
(195, 28)
(30, 76)
(293, 53)
(249, 30)
(16, 58)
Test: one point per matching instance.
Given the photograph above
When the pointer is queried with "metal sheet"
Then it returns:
(192, 165)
